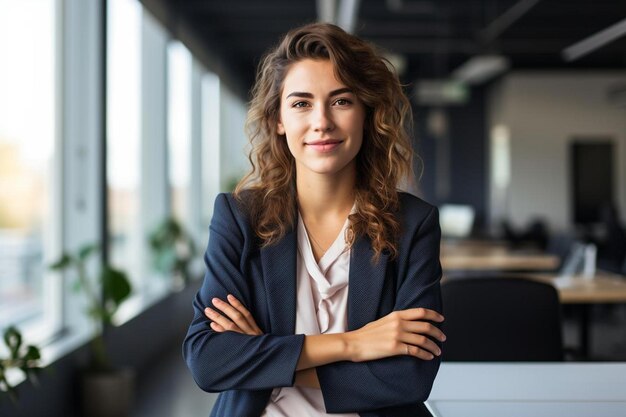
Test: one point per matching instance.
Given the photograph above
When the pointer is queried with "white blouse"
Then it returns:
(321, 308)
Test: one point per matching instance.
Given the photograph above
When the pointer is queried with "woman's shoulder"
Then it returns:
(233, 208)
(413, 209)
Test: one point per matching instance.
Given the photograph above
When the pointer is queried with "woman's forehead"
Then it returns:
(311, 76)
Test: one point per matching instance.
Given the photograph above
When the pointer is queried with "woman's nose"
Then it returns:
(322, 121)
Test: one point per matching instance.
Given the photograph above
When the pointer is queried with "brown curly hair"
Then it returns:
(385, 158)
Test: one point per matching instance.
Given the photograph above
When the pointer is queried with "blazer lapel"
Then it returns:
(279, 270)
(366, 283)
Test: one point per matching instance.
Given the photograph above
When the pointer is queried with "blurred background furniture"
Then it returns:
(494, 256)
(536, 234)
(501, 319)
(582, 293)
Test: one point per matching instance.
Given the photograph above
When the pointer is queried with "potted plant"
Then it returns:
(107, 390)
(26, 359)
(173, 250)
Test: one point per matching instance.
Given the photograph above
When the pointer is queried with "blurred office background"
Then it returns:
(116, 115)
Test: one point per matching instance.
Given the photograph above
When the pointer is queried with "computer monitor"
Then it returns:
(456, 220)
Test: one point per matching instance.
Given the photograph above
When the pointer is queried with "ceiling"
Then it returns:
(433, 36)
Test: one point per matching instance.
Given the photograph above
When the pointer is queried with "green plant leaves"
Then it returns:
(64, 262)
(13, 340)
(87, 250)
(115, 285)
(32, 354)
(26, 359)
(104, 296)
(172, 248)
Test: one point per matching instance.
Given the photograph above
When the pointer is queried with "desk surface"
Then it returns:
(488, 256)
(529, 389)
(604, 287)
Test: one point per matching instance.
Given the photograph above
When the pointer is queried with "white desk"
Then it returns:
(530, 389)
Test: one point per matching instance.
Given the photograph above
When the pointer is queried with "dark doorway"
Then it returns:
(592, 178)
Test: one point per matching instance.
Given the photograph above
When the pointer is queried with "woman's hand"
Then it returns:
(236, 318)
(404, 332)
(232, 316)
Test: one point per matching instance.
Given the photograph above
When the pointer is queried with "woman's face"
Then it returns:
(321, 118)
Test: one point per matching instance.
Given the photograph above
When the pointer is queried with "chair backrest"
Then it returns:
(501, 319)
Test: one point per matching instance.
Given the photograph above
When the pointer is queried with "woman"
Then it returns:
(322, 287)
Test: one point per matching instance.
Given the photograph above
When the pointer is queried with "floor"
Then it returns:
(169, 391)
(608, 333)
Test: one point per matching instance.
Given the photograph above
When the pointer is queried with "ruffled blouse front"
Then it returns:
(321, 308)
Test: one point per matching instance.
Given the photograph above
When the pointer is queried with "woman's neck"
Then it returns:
(324, 196)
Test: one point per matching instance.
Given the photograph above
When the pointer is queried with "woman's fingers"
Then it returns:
(422, 327)
(233, 314)
(224, 323)
(419, 352)
(233, 317)
(246, 314)
(421, 342)
(417, 333)
(420, 314)
(403, 332)
(217, 327)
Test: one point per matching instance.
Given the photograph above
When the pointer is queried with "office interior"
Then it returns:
(121, 120)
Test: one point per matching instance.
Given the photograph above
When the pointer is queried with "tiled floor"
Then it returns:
(169, 391)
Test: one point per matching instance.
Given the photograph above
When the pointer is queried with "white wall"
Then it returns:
(544, 112)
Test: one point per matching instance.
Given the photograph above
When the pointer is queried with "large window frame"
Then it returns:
(80, 199)
(48, 322)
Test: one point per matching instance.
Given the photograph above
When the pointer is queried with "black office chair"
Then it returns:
(501, 319)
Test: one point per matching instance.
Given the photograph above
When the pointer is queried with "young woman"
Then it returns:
(321, 293)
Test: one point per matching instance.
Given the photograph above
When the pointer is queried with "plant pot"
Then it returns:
(108, 393)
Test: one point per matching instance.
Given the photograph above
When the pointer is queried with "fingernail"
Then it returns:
(216, 300)
(230, 296)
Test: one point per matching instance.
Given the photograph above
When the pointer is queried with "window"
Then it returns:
(210, 144)
(179, 129)
(126, 238)
(29, 180)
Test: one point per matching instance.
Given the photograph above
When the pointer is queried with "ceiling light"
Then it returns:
(438, 92)
(481, 68)
(594, 42)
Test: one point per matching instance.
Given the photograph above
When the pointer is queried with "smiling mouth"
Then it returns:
(324, 142)
(324, 146)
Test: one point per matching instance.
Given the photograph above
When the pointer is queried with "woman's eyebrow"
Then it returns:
(309, 95)
(300, 94)
(339, 91)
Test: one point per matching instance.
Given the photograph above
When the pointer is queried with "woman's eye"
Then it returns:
(300, 104)
(342, 102)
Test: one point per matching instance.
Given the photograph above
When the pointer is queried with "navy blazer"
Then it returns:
(245, 368)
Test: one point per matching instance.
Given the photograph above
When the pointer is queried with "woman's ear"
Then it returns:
(280, 129)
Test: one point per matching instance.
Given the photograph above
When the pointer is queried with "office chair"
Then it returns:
(501, 319)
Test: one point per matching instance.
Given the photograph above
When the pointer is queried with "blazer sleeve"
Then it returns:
(230, 360)
(397, 380)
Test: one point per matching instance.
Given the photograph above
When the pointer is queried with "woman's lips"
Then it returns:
(324, 145)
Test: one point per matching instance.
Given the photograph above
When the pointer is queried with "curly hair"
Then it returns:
(385, 157)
